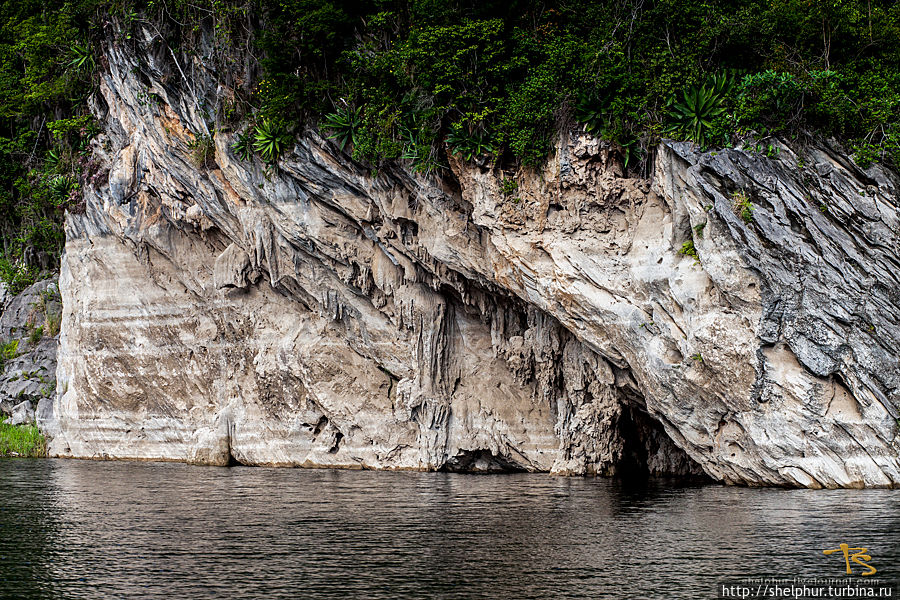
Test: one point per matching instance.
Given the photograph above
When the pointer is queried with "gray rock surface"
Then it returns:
(22, 413)
(316, 315)
(27, 323)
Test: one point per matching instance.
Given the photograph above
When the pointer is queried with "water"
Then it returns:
(78, 529)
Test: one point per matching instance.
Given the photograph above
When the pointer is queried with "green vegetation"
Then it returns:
(36, 334)
(509, 187)
(698, 229)
(202, 151)
(46, 73)
(743, 206)
(491, 80)
(421, 81)
(21, 440)
(271, 139)
(688, 249)
(344, 125)
(243, 148)
(695, 116)
(54, 322)
(8, 351)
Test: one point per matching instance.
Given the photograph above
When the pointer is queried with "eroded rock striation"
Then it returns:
(314, 314)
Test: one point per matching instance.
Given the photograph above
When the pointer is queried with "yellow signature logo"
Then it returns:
(856, 555)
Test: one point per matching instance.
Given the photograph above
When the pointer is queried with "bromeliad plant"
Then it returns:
(243, 147)
(344, 125)
(271, 139)
(594, 111)
(82, 58)
(694, 115)
(468, 143)
(61, 187)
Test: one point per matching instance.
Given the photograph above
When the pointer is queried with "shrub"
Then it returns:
(54, 321)
(771, 100)
(17, 275)
(694, 117)
(698, 229)
(469, 144)
(36, 334)
(508, 187)
(8, 351)
(82, 57)
(243, 147)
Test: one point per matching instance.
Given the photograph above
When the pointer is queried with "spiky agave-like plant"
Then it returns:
(469, 144)
(693, 116)
(243, 147)
(344, 125)
(270, 140)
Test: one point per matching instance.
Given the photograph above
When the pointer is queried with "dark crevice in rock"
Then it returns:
(233, 461)
(650, 452)
(323, 421)
(338, 438)
(480, 461)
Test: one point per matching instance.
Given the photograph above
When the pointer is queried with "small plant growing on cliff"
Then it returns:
(743, 206)
(698, 229)
(8, 351)
(243, 147)
(593, 113)
(202, 151)
(468, 143)
(82, 58)
(54, 321)
(48, 389)
(508, 187)
(344, 125)
(61, 187)
(688, 249)
(697, 357)
(271, 140)
(36, 334)
(420, 152)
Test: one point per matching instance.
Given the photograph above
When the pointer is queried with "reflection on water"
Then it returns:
(79, 529)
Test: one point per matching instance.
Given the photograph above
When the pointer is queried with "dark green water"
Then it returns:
(75, 529)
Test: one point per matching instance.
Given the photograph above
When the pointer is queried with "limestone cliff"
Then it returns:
(316, 314)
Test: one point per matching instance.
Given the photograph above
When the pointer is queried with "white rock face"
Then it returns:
(316, 315)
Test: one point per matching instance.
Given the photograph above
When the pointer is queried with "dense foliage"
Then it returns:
(45, 72)
(482, 79)
(487, 77)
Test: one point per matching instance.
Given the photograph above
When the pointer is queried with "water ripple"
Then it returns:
(74, 529)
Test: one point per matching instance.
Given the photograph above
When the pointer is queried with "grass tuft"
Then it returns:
(21, 440)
